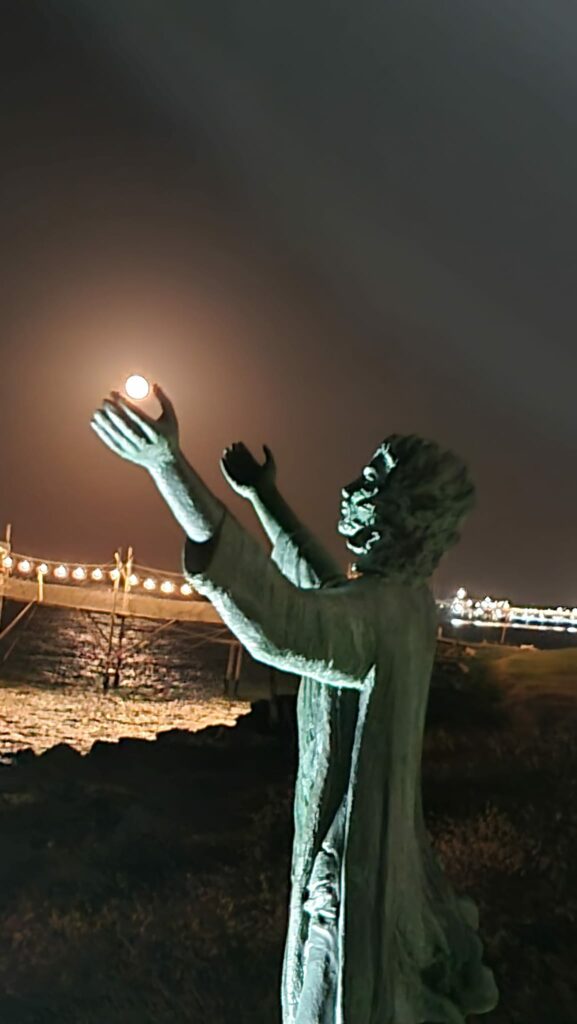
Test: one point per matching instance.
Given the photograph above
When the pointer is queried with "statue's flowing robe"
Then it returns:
(406, 949)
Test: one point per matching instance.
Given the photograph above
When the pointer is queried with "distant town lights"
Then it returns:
(493, 612)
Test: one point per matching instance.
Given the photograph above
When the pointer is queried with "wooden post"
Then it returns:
(229, 670)
(119, 652)
(6, 546)
(128, 570)
(105, 678)
(237, 668)
(233, 667)
(127, 573)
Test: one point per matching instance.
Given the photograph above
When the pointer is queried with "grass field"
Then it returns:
(147, 882)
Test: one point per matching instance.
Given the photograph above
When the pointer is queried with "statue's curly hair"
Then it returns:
(424, 493)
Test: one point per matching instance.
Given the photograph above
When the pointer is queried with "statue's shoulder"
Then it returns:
(415, 593)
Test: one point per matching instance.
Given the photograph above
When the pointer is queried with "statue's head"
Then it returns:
(404, 510)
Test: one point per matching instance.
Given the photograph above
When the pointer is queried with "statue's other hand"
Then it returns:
(244, 473)
(135, 436)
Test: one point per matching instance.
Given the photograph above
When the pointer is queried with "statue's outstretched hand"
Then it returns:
(244, 473)
(135, 436)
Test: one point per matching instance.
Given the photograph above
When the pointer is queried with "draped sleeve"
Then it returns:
(327, 634)
(304, 562)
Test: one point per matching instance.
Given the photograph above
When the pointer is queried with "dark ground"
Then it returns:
(147, 882)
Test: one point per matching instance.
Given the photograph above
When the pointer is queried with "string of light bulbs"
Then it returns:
(165, 584)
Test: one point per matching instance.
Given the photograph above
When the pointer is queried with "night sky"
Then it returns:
(314, 224)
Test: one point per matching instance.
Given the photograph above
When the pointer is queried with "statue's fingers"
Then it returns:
(132, 433)
(228, 476)
(126, 446)
(166, 405)
(268, 456)
(107, 438)
(140, 418)
(230, 454)
(228, 457)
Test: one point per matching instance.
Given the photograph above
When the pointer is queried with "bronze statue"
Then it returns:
(376, 933)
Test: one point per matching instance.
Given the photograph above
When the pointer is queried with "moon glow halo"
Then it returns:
(137, 387)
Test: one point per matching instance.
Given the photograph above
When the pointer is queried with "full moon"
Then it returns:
(137, 387)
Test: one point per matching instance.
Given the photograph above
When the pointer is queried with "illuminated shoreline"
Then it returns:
(462, 610)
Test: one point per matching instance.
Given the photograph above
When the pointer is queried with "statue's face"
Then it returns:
(358, 522)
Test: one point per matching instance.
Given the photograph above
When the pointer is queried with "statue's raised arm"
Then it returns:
(154, 445)
(325, 635)
(298, 553)
(376, 933)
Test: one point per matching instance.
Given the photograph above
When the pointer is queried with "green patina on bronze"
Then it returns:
(376, 933)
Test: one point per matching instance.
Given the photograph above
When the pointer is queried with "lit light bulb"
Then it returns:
(43, 569)
(114, 574)
(61, 572)
(137, 387)
(133, 579)
(97, 574)
(186, 589)
(149, 584)
(24, 566)
(7, 562)
(79, 573)
(167, 587)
